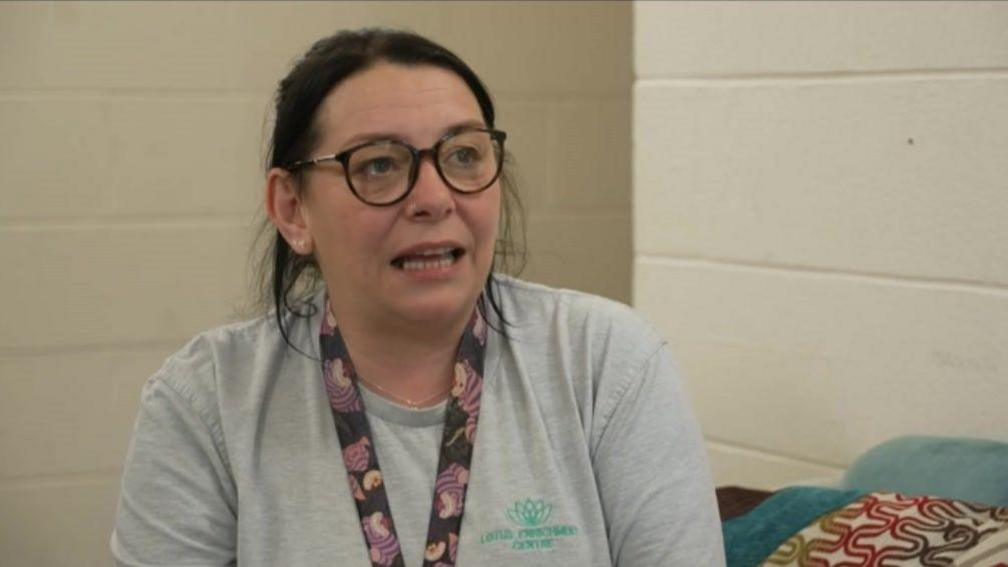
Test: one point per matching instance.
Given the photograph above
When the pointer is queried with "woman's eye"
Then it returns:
(378, 166)
(464, 156)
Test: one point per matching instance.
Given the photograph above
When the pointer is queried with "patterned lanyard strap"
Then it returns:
(361, 461)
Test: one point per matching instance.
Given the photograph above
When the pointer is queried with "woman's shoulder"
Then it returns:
(525, 295)
(212, 360)
(606, 339)
(532, 306)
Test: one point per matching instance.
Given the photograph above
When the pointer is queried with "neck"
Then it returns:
(403, 361)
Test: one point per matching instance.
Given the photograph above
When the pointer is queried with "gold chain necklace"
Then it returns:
(412, 404)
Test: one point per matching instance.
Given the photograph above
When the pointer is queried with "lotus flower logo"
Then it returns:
(529, 513)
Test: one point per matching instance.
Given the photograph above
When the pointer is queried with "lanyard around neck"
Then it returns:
(366, 483)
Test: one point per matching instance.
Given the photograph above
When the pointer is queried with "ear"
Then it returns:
(284, 207)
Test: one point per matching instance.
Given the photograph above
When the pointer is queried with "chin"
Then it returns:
(445, 306)
(433, 314)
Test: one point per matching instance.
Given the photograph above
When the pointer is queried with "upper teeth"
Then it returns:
(429, 259)
(435, 252)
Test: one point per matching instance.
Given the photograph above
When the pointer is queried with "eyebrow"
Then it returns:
(365, 137)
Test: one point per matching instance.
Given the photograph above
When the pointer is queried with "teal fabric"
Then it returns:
(973, 470)
(751, 538)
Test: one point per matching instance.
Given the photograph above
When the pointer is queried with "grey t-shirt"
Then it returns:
(586, 451)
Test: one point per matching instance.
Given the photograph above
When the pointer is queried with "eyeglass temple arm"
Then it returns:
(313, 161)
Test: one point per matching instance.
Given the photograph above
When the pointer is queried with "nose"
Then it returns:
(431, 199)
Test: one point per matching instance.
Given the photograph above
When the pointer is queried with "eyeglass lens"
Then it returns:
(380, 173)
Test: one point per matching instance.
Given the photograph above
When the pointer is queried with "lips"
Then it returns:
(428, 257)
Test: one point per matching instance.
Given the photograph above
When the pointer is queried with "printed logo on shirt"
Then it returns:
(532, 530)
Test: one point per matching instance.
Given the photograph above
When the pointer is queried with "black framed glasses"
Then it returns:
(383, 172)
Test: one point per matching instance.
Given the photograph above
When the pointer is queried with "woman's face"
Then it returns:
(386, 264)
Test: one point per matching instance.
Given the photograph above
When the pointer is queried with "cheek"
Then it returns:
(347, 236)
(362, 238)
(486, 222)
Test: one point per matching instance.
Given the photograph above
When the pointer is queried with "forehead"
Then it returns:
(417, 104)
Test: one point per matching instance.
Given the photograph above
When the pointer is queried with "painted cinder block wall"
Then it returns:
(130, 151)
(821, 223)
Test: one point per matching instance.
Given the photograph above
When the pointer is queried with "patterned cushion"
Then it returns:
(749, 539)
(892, 530)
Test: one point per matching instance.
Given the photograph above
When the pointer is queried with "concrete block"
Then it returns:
(85, 286)
(893, 175)
(592, 157)
(530, 127)
(821, 367)
(178, 45)
(67, 412)
(545, 48)
(64, 156)
(58, 523)
(736, 466)
(139, 45)
(585, 252)
(677, 39)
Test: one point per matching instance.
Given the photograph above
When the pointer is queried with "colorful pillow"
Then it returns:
(751, 538)
(892, 530)
(820, 527)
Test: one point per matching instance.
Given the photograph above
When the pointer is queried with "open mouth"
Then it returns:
(435, 258)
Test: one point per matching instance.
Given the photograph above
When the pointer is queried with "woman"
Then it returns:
(413, 407)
